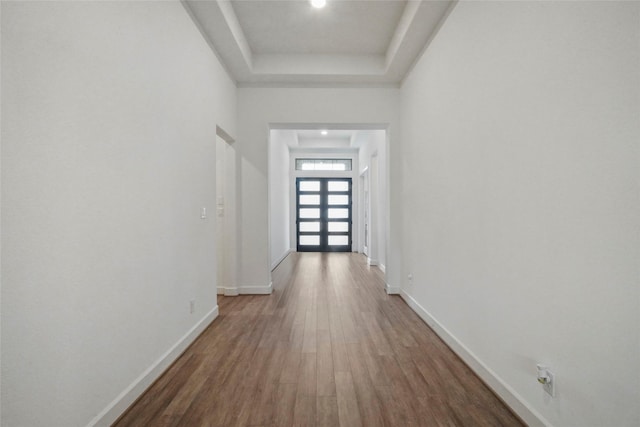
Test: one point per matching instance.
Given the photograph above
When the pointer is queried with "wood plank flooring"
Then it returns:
(328, 348)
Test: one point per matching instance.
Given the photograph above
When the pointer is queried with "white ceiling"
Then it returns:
(353, 27)
(321, 139)
(288, 42)
(335, 134)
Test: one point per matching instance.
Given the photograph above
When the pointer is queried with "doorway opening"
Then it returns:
(364, 212)
(225, 214)
(317, 151)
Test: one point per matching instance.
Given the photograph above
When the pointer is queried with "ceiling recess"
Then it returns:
(285, 42)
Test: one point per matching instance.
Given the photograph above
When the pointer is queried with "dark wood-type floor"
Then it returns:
(327, 348)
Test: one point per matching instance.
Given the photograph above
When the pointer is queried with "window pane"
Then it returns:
(309, 226)
(309, 240)
(337, 213)
(323, 164)
(309, 185)
(310, 213)
(304, 165)
(310, 199)
(338, 199)
(338, 186)
(338, 240)
(338, 226)
(342, 165)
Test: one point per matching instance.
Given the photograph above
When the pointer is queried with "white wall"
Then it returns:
(260, 107)
(522, 210)
(279, 201)
(108, 153)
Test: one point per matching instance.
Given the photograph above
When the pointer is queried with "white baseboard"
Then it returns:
(245, 290)
(503, 390)
(231, 291)
(392, 290)
(153, 372)
(383, 268)
(372, 261)
(279, 260)
(256, 290)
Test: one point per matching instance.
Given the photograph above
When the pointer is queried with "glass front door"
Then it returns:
(323, 214)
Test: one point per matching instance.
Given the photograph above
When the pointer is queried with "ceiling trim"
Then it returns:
(434, 33)
(236, 30)
(207, 39)
(314, 83)
(327, 150)
(402, 29)
(325, 125)
(416, 27)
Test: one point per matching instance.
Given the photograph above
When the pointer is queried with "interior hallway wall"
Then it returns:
(259, 107)
(108, 155)
(522, 204)
(279, 203)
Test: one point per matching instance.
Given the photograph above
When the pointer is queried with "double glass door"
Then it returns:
(323, 214)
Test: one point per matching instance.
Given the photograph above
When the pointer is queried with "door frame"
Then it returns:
(363, 211)
(324, 233)
(226, 214)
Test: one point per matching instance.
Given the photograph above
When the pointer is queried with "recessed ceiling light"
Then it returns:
(323, 132)
(318, 4)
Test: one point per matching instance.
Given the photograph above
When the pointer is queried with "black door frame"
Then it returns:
(324, 219)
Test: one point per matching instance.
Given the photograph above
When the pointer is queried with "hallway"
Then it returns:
(327, 348)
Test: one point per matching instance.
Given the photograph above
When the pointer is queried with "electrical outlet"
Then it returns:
(547, 379)
(549, 386)
(192, 306)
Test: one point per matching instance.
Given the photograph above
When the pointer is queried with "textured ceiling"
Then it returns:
(349, 42)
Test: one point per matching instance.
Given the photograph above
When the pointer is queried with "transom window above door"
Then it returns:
(323, 164)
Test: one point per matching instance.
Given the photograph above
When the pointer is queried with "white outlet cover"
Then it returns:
(550, 387)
